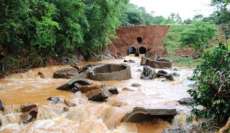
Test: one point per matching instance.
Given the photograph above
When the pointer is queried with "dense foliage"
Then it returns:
(198, 34)
(56, 26)
(38, 28)
(213, 84)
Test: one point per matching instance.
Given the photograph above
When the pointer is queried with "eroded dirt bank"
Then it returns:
(87, 116)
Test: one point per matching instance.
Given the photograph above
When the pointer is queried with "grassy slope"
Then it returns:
(172, 43)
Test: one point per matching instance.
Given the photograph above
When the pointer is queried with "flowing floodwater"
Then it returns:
(87, 116)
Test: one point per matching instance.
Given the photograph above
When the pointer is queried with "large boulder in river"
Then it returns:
(101, 95)
(148, 73)
(29, 113)
(82, 85)
(98, 95)
(66, 73)
(144, 115)
(159, 63)
(164, 74)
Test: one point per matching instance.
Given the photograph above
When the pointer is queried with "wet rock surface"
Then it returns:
(113, 91)
(144, 115)
(66, 73)
(85, 68)
(82, 85)
(135, 85)
(101, 95)
(98, 95)
(159, 63)
(41, 75)
(29, 113)
(148, 73)
(186, 101)
(129, 61)
(1, 106)
(164, 74)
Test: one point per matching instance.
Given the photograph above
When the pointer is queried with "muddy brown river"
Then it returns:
(87, 116)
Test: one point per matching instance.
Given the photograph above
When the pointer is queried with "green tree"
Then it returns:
(212, 89)
(103, 17)
(198, 34)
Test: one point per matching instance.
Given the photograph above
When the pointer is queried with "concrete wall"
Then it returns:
(152, 39)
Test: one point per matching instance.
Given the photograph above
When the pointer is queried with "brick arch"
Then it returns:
(152, 38)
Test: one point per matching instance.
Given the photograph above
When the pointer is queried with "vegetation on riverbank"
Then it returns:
(37, 30)
(212, 89)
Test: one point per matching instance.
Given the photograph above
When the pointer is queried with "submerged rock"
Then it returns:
(186, 101)
(85, 68)
(82, 85)
(144, 115)
(55, 100)
(174, 130)
(164, 74)
(29, 113)
(148, 73)
(176, 74)
(130, 61)
(101, 95)
(1, 106)
(69, 104)
(66, 73)
(113, 91)
(98, 95)
(169, 77)
(41, 75)
(135, 85)
(159, 63)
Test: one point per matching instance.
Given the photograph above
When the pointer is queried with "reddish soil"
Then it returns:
(148, 37)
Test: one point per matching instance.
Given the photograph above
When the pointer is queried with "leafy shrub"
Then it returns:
(198, 34)
(212, 89)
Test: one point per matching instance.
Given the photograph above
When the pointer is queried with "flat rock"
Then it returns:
(159, 63)
(82, 85)
(144, 115)
(65, 73)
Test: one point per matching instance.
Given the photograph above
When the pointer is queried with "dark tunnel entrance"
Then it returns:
(139, 39)
(142, 50)
(132, 50)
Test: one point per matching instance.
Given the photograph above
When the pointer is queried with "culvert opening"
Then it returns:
(132, 50)
(139, 39)
(110, 72)
(142, 50)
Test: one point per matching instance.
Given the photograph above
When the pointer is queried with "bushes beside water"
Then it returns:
(212, 90)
